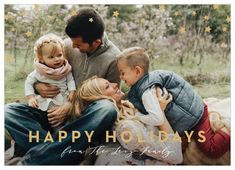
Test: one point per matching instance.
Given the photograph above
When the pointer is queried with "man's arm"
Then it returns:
(112, 74)
(46, 90)
(57, 115)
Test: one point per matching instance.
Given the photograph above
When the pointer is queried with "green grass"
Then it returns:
(211, 79)
(14, 91)
(212, 64)
(15, 75)
(218, 90)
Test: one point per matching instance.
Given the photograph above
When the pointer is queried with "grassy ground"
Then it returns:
(15, 75)
(210, 79)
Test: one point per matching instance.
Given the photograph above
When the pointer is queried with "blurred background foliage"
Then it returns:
(192, 40)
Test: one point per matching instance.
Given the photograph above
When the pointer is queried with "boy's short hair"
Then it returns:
(87, 24)
(45, 40)
(135, 56)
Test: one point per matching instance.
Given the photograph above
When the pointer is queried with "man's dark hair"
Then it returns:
(87, 24)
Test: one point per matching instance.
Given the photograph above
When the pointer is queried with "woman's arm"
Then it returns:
(144, 142)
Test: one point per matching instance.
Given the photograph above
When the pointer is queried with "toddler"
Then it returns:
(50, 67)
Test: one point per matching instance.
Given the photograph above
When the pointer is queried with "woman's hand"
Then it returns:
(163, 98)
(58, 114)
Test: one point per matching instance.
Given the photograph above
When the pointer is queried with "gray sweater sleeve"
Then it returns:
(113, 73)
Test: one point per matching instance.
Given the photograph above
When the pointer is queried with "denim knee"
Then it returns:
(9, 105)
(10, 109)
(107, 109)
(7, 109)
(13, 106)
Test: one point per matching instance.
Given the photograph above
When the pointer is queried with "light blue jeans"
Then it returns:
(20, 119)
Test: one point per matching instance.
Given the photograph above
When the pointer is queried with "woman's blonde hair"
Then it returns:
(48, 39)
(126, 110)
(88, 92)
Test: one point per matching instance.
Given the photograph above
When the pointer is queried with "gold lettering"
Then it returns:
(202, 137)
(89, 135)
(33, 136)
(62, 135)
(126, 136)
(151, 136)
(75, 135)
(189, 135)
(176, 137)
(110, 136)
(48, 137)
(140, 139)
(162, 136)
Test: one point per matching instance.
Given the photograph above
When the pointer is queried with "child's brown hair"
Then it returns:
(135, 56)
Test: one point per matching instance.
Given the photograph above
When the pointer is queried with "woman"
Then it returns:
(96, 116)
(96, 88)
(128, 126)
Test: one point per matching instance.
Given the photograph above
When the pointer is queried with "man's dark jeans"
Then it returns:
(20, 119)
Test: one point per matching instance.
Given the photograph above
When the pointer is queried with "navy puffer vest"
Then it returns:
(186, 108)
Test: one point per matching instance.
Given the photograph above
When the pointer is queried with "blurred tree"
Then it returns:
(25, 26)
(199, 26)
(176, 31)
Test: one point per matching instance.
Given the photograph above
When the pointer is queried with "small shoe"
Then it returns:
(215, 121)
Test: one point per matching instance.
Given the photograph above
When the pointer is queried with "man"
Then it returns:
(90, 53)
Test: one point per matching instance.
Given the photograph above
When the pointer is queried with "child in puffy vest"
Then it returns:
(186, 112)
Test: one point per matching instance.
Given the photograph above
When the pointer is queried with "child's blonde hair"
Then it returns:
(51, 39)
(135, 56)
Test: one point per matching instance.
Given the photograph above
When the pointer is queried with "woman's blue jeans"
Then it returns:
(20, 119)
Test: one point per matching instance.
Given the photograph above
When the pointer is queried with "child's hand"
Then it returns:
(164, 98)
(33, 102)
(71, 96)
